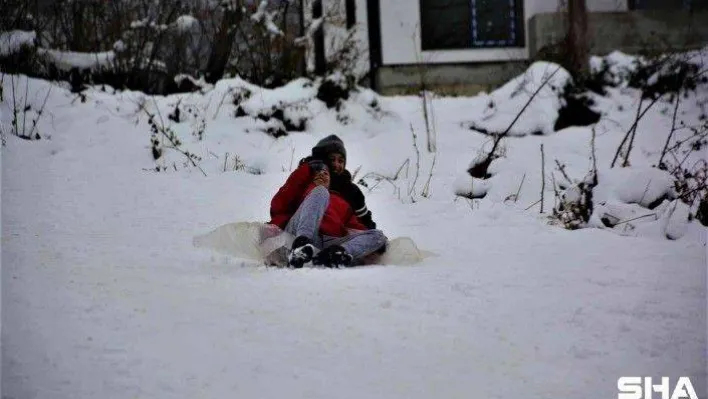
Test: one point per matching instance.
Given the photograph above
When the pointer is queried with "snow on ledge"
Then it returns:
(68, 60)
(185, 23)
(13, 41)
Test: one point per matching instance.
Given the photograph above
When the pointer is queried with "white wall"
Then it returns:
(400, 33)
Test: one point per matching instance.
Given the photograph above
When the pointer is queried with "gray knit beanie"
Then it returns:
(328, 145)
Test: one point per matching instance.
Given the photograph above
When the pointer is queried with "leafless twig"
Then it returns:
(631, 131)
(543, 176)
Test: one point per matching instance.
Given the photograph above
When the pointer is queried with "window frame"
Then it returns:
(517, 30)
(635, 5)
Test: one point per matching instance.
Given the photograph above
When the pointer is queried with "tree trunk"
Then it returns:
(78, 38)
(577, 46)
(320, 57)
(223, 42)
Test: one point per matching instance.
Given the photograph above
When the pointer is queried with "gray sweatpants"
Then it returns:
(306, 222)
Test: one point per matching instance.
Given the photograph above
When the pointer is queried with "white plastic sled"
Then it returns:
(268, 244)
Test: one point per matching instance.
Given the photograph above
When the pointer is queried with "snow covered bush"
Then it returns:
(22, 108)
(17, 51)
(16, 41)
(573, 198)
(152, 46)
(690, 172)
(575, 203)
(163, 137)
(147, 44)
(631, 200)
(346, 54)
(645, 189)
(292, 107)
(666, 80)
(640, 201)
(265, 50)
(541, 101)
(528, 104)
(655, 76)
(669, 74)
(614, 70)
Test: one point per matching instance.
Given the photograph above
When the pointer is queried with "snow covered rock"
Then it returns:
(676, 218)
(640, 202)
(471, 187)
(545, 82)
(611, 214)
(644, 186)
(670, 220)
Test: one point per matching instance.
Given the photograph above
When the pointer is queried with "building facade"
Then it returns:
(477, 44)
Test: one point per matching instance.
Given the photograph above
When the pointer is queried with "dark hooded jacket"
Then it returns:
(342, 183)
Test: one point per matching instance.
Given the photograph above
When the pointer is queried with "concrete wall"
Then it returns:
(548, 6)
(632, 32)
(458, 79)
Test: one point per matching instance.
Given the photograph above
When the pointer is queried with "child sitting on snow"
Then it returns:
(321, 206)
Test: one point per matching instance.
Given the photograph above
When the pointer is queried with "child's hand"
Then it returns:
(322, 178)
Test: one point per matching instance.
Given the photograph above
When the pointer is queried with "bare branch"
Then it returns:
(543, 176)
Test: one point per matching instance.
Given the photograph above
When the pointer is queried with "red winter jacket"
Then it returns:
(338, 216)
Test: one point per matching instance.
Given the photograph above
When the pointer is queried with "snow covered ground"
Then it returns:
(104, 295)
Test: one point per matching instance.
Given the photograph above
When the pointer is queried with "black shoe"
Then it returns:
(301, 252)
(334, 256)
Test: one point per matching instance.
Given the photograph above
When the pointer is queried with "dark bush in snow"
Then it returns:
(17, 51)
(702, 213)
(542, 100)
(479, 168)
(576, 110)
(670, 73)
(575, 202)
(334, 89)
(185, 84)
(281, 118)
(290, 108)
(214, 39)
(290, 118)
(240, 94)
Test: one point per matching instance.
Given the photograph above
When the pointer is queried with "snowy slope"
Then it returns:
(105, 296)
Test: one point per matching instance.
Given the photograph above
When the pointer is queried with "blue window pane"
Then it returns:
(461, 24)
(445, 24)
(496, 23)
